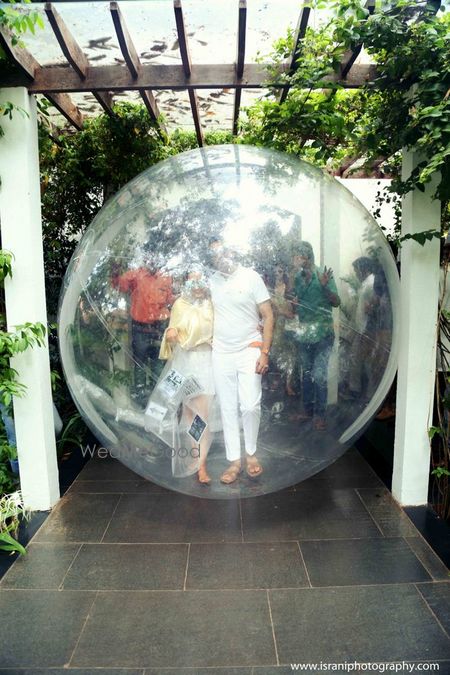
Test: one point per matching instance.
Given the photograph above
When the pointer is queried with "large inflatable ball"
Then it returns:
(228, 322)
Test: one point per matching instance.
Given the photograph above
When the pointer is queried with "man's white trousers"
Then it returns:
(238, 389)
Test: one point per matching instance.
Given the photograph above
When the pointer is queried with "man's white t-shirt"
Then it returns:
(235, 299)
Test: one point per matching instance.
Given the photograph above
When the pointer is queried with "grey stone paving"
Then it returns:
(127, 578)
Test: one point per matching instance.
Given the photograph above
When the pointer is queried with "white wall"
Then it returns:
(365, 189)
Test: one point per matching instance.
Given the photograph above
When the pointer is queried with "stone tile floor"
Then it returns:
(126, 577)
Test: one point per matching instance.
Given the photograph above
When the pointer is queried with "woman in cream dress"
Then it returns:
(186, 345)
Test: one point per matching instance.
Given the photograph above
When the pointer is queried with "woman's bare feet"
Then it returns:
(231, 474)
(203, 476)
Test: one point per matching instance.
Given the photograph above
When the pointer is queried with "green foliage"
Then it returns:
(421, 237)
(314, 125)
(72, 435)
(181, 140)
(6, 258)
(8, 480)
(440, 471)
(439, 433)
(432, 431)
(218, 137)
(9, 450)
(18, 22)
(81, 171)
(12, 511)
(407, 106)
(7, 109)
(8, 543)
(11, 344)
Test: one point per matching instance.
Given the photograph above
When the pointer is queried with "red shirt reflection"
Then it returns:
(151, 294)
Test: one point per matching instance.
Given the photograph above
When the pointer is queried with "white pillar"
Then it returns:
(330, 220)
(21, 230)
(419, 294)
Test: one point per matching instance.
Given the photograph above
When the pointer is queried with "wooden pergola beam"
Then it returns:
(25, 62)
(105, 99)
(300, 31)
(132, 60)
(151, 105)
(75, 56)
(187, 67)
(182, 38)
(240, 60)
(242, 26)
(349, 59)
(67, 107)
(29, 68)
(152, 76)
(127, 47)
(345, 164)
(196, 116)
(69, 46)
(345, 168)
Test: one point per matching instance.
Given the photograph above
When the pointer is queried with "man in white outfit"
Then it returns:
(240, 354)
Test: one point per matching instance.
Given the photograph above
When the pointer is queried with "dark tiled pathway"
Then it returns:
(126, 577)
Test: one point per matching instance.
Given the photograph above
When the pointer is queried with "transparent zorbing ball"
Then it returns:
(211, 240)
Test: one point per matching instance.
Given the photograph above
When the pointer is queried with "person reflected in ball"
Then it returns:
(315, 294)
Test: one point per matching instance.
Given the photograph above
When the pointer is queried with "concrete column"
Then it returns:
(419, 294)
(20, 218)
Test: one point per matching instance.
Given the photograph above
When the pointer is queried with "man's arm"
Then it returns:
(266, 313)
(329, 286)
(123, 282)
(333, 298)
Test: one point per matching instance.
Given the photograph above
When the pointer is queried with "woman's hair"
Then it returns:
(194, 268)
(364, 266)
(270, 276)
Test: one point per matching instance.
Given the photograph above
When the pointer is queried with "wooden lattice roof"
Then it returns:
(79, 73)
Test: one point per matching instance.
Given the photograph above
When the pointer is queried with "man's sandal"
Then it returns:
(231, 474)
(256, 468)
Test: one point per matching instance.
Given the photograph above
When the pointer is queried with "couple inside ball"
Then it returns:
(220, 332)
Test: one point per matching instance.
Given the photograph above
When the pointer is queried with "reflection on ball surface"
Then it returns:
(227, 323)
